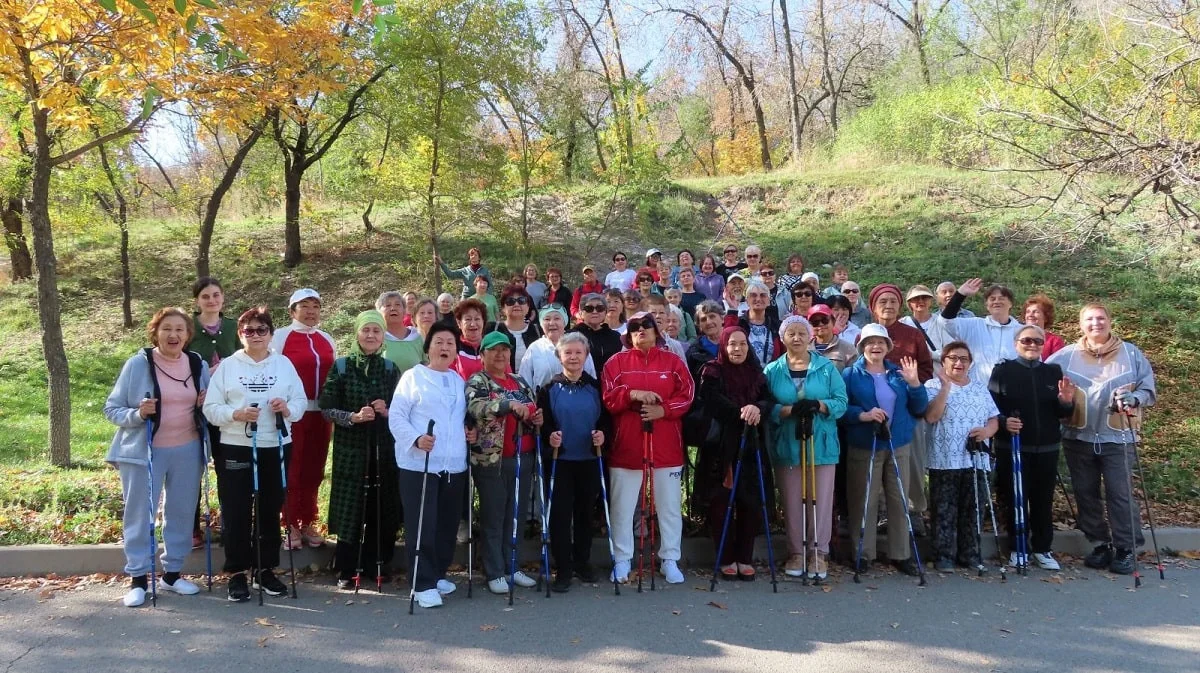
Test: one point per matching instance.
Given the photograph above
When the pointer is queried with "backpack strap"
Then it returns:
(155, 392)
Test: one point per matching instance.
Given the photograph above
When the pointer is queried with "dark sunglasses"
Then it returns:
(767, 274)
(645, 279)
(1031, 341)
(635, 326)
(752, 256)
(594, 308)
(849, 291)
(818, 322)
(619, 259)
(513, 301)
(802, 294)
(731, 251)
(255, 331)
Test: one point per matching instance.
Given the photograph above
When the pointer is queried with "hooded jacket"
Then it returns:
(658, 371)
(822, 383)
(240, 382)
(990, 342)
(121, 409)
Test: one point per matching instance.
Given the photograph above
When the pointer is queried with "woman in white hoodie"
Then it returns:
(248, 394)
(990, 339)
(540, 362)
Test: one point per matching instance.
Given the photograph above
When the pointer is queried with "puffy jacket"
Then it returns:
(823, 383)
(860, 394)
(658, 371)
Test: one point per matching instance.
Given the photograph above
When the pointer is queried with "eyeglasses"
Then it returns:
(513, 301)
(618, 259)
(255, 331)
(730, 251)
(1031, 341)
(594, 308)
(802, 294)
(767, 274)
(645, 279)
(958, 358)
(752, 256)
(819, 322)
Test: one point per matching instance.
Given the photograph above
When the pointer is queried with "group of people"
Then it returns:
(595, 398)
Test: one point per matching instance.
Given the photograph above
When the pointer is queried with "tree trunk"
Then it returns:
(126, 279)
(213, 206)
(291, 213)
(49, 308)
(434, 167)
(12, 215)
(793, 95)
(366, 217)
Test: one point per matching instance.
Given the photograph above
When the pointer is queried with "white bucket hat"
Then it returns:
(874, 330)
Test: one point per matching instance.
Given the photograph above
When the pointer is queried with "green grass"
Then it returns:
(906, 224)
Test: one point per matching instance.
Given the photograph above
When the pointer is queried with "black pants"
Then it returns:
(1039, 473)
(743, 527)
(576, 487)
(235, 487)
(952, 501)
(443, 510)
(345, 557)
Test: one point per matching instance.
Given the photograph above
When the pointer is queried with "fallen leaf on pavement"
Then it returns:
(262, 642)
(488, 627)
(263, 621)
(895, 625)
(826, 588)
(717, 605)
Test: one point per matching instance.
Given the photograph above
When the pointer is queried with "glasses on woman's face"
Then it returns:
(645, 279)
(849, 291)
(731, 251)
(513, 301)
(255, 331)
(618, 259)
(751, 256)
(819, 322)
(635, 326)
(594, 308)
(798, 295)
(1031, 341)
(767, 273)
(964, 359)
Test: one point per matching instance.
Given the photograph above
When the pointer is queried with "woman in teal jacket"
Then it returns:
(809, 396)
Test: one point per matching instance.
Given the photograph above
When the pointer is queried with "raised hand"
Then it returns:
(908, 371)
(1066, 390)
(970, 287)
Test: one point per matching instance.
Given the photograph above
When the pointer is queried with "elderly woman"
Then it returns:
(644, 283)
(311, 351)
(709, 281)
(646, 386)
(556, 292)
(255, 385)
(730, 264)
(171, 457)
(403, 342)
(355, 399)
(843, 327)
(805, 385)
(469, 318)
(431, 398)
(961, 416)
(535, 287)
(760, 322)
(483, 284)
(467, 273)
(860, 312)
(425, 314)
(990, 338)
(593, 322)
(800, 300)
(921, 317)
(794, 272)
(1115, 385)
(503, 410)
(881, 394)
(633, 302)
(515, 312)
(445, 307)
(710, 318)
(825, 342)
(541, 361)
(1033, 398)
(733, 393)
(1039, 311)
(574, 431)
(614, 313)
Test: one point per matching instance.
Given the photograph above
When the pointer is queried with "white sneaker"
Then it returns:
(135, 597)
(523, 580)
(445, 587)
(429, 598)
(670, 570)
(182, 587)
(1046, 561)
(498, 586)
(620, 572)
(1012, 559)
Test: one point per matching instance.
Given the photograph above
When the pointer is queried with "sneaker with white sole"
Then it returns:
(523, 580)
(429, 598)
(445, 587)
(181, 586)
(670, 570)
(498, 586)
(620, 572)
(1012, 559)
(1046, 561)
(135, 597)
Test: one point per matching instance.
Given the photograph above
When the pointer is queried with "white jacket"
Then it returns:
(240, 382)
(424, 395)
(540, 364)
(990, 342)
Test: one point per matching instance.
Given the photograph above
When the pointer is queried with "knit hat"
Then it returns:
(366, 318)
(494, 339)
(874, 330)
(882, 289)
(795, 320)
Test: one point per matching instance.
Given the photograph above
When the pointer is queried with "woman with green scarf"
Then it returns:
(355, 399)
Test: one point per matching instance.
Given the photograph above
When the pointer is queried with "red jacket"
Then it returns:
(908, 341)
(659, 371)
(596, 287)
(312, 353)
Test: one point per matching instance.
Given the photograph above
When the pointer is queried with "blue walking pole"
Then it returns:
(907, 517)
(1019, 536)
(153, 511)
(737, 472)
(205, 455)
(762, 494)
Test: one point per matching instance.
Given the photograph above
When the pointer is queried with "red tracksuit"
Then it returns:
(659, 371)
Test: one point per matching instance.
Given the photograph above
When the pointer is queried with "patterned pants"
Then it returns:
(955, 515)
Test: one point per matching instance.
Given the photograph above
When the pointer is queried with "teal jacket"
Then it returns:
(821, 383)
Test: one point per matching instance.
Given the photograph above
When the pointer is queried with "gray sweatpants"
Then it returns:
(177, 471)
(496, 492)
(1108, 463)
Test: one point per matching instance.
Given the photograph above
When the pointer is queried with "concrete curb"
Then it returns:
(67, 560)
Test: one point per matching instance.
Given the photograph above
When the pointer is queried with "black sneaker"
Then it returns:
(587, 574)
(1100, 558)
(1122, 562)
(562, 583)
(269, 583)
(908, 567)
(239, 591)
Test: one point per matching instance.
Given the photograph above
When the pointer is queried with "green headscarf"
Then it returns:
(356, 352)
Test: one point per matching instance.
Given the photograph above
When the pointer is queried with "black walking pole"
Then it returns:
(280, 433)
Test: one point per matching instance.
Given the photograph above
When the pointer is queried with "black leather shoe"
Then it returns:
(562, 583)
(1122, 562)
(1100, 558)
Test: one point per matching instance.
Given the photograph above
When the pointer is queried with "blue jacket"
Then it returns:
(822, 383)
(121, 409)
(860, 389)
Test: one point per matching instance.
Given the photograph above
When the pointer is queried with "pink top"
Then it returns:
(176, 404)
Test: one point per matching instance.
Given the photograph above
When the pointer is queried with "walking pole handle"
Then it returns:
(279, 424)
(429, 430)
(647, 426)
(253, 424)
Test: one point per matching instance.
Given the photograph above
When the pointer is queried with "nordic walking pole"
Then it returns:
(987, 486)
(512, 565)
(1019, 506)
(762, 494)
(153, 510)
(280, 433)
(646, 429)
(412, 592)
(1137, 456)
(257, 513)
(549, 507)
(812, 489)
(470, 532)
(907, 517)
(541, 494)
(737, 473)
(612, 552)
(1062, 485)
(803, 435)
(378, 509)
(205, 451)
(862, 529)
(652, 514)
(972, 449)
(362, 529)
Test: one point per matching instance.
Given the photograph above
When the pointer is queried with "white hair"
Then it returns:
(572, 338)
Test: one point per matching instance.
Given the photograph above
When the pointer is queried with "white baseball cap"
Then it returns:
(652, 252)
(302, 294)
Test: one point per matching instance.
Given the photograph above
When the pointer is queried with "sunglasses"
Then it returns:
(619, 259)
(818, 322)
(731, 251)
(594, 308)
(802, 294)
(767, 274)
(513, 301)
(849, 291)
(645, 279)
(1031, 341)
(255, 331)
(635, 326)
(752, 256)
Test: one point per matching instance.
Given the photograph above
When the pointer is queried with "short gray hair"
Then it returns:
(709, 306)
(572, 338)
(1037, 330)
(445, 295)
(383, 298)
(757, 286)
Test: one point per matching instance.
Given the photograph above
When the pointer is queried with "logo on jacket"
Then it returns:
(259, 383)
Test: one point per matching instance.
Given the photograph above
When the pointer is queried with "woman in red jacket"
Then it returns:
(646, 386)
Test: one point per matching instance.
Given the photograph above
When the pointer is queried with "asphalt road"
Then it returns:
(1078, 620)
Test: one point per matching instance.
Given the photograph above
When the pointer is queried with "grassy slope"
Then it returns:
(903, 224)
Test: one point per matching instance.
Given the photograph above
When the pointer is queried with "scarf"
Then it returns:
(357, 357)
(1104, 351)
(740, 383)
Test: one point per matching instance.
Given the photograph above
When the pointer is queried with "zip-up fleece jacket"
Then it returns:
(1125, 369)
(239, 382)
(659, 371)
(1030, 389)
(121, 409)
(311, 352)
